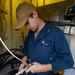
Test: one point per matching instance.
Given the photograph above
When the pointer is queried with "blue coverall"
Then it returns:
(50, 46)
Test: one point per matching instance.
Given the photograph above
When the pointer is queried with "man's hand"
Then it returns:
(22, 64)
(36, 68)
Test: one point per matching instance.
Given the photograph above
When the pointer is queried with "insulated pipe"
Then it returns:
(11, 23)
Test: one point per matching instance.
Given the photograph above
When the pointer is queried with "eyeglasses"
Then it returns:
(27, 22)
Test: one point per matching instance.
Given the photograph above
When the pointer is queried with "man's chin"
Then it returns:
(33, 30)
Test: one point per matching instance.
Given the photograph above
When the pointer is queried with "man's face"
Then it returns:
(31, 23)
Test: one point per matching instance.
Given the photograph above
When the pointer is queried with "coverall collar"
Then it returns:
(45, 30)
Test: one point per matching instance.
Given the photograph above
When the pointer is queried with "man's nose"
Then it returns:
(28, 27)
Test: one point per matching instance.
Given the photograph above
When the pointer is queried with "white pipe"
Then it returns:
(11, 52)
(20, 72)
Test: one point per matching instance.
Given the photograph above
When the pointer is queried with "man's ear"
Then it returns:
(35, 14)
